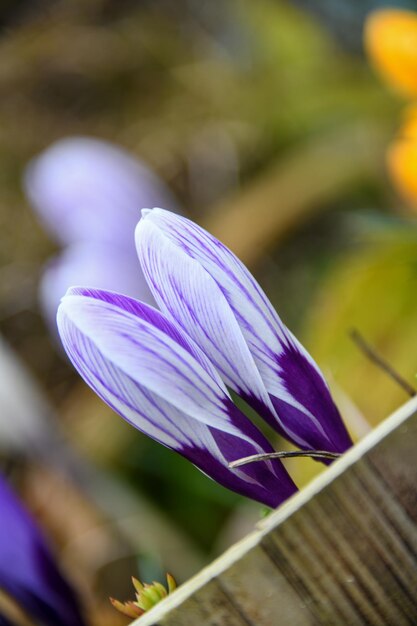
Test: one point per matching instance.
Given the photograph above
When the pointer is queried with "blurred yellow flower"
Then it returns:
(391, 44)
(402, 158)
(390, 39)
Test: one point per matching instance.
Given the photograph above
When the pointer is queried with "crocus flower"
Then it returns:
(203, 286)
(28, 572)
(154, 376)
(390, 40)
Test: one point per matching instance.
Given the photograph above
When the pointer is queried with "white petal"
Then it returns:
(191, 296)
(140, 353)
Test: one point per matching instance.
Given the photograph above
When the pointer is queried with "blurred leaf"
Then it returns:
(295, 187)
(373, 290)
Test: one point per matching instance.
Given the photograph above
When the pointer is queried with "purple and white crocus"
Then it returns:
(204, 287)
(28, 572)
(167, 373)
(150, 372)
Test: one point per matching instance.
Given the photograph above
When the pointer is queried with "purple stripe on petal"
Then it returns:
(255, 471)
(187, 293)
(154, 317)
(303, 383)
(145, 410)
(267, 483)
(303, 410)
(118, 352)
(164, 367)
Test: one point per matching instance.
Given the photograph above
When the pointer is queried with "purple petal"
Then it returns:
(28, 572)
(311, 413)
(164, 368)
(138, 362)
(155, 318)
(186, 292)
(304, 410)
(268, 482)
(87, 189)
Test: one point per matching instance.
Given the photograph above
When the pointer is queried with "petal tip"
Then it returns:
(156, 209)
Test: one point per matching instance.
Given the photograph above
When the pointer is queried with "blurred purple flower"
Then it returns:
(28, 572)
(203, 286)
(85, 189)
(149, 371)
(88, 194)
(101, 265)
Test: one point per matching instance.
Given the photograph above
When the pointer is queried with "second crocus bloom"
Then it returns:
(203, 286)
(147, 369)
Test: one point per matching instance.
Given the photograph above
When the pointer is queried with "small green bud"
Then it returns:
(147, 596)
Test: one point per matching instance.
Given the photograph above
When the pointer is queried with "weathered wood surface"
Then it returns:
(342, 551)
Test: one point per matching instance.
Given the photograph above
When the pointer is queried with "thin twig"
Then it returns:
(381, 363)
(313, 454)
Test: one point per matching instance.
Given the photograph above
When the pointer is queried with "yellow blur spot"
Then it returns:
(391, 43)
(402, 158)
(402, 166)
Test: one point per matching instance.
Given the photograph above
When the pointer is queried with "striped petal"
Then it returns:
(155, 377)
(186, 292)
(206, 289)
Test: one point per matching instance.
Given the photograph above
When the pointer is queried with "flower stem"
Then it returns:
(313, 454)
(380, 362)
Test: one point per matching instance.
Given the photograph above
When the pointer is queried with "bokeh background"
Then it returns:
(269, 126)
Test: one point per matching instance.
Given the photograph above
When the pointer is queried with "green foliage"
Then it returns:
(371, 289)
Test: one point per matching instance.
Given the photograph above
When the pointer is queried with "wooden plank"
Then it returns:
(342, 551)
